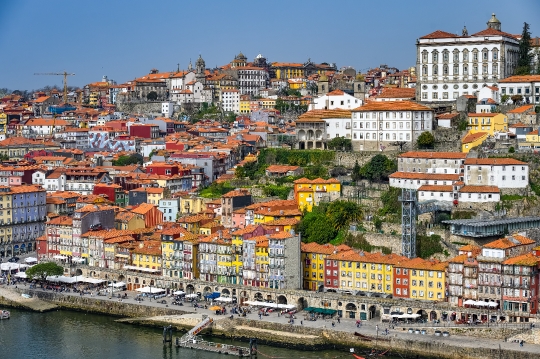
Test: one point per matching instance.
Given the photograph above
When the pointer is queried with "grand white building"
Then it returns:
(449, 65)
(230, 100)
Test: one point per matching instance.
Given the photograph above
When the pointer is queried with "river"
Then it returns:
(72, 335)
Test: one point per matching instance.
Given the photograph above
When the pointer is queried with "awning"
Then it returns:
(58, 256)
(151, 290)
(492, 304)
(406, 316)
(269, 305)
(117, 285)
(142, 269)
(11, 266)
(179, 292)
(31, 260)
(20, 275)
(61, 279)
(78, 259)
(323, 311)
(122, 255)
(212, 295)
(469, 302)
(192, 295)
(223, 299)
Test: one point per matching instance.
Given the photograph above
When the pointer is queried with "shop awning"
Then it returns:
(151, 290)
(212, 295)
(323, 311)
(269, 305)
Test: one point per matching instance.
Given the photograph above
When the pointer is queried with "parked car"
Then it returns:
(13, 259)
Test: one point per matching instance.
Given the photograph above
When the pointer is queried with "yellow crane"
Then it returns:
(65, 74)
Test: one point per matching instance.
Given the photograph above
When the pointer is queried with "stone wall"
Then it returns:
(142, 108)
(348, 159)
(384, 240)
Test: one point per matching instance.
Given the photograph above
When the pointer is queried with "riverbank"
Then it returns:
(275, 330)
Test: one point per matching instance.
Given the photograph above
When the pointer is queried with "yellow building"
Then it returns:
(268, 103)
(426, 279)
(309, 193)
(147, 255)
(245, 106)
(129, 220)
(492, 123)
(472, 140)
(261, 262)
(190, 204)
(3, 122)
(532, 136)
(227, 272)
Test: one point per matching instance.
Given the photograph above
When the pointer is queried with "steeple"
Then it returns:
(464, 32)
(190, 67)
(494, 23)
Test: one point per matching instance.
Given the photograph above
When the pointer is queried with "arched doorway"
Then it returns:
(121, 278)
(152, 282)
(301, 304)
(423, 314)
(243, 296)
(207, 290)
(282, 299)
(78, 272)
(350, 310)
(372, 312)
(225, 292)
(433, 315)
(321, 288)
(258, 296)
(190, 289)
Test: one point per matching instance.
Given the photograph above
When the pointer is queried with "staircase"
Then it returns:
(189, 336)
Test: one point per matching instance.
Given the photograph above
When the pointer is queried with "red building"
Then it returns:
(167, 169)
(152, 215)
(331, 270)
(175, 146)
(401, 282)
(144, 130)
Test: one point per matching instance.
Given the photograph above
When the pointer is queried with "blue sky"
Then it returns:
(125, 39)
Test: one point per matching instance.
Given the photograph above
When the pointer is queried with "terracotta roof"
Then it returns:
(320, 115)
(439, 34)
(281, 168)
(143, 208)
(425, 176)
(435, 155)
(61, 221)
(522, 109)
(527, 259)
(235, 193)
(532, 133)
(433, 188)
(469, 138)
(335, 93)
(397, 92)
(493, 161)
(392, 106)
(479, 189)
(304, 180)
(493, 32)
(520, 125)
(523, 78)
(485, 114)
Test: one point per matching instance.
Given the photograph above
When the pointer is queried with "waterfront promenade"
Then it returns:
(372, 328)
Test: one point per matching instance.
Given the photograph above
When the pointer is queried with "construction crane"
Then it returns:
(65, 74)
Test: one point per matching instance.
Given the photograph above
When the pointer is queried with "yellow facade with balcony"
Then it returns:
(491, 123)
(427, 279)
(245, 106)
(262, 262)
(309, 193)
(3, 122)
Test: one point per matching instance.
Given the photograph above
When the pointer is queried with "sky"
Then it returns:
(125, 39)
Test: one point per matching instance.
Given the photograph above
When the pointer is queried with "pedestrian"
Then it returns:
(338, 320)
(377, 328)
(358, 324)
(333, 324)
(260, 315)
(521, 343)
(301, 322)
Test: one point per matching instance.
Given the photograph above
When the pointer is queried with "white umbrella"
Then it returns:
(151, 290)
(31, 260)
(481, 303)
(21, 275)
(469, 302)
(192, 295)
(179, 292)
(492, 304)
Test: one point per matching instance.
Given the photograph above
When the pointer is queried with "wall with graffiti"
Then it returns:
(103, 141)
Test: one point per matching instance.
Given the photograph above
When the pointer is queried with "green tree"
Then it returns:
(505, 98)
(356, 175)
(390, 201)
(516, 99)
(42, 270)
(316, 227)
(340, 144)
(425, 140)
(151, 96)
(524, 52)
(127, 160)
(240, 172)
(511, 149)
(378, 168)
(342, 213)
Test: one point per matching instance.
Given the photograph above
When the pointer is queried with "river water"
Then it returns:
(72, 335)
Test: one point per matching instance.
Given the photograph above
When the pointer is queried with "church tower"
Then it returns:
(200, 69)
(322, 85)
(494, 23)
(359, 87)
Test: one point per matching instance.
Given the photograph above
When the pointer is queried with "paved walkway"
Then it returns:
(368, 328)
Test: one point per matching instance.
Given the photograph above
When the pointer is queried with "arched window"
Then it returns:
(495, 54)
(485, 53)
(435, 55)
(445, 70)
(424, 70)
(465, 69)
(424, 56)
(445, 55)
(456, 69)
(456, 55)
(475, 55)
(435, 70)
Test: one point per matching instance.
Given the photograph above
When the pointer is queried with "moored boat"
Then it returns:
(4, 314)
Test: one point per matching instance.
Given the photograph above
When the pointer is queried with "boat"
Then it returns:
(4, 314)
(27, 296)
(358, 356)
(363, 337)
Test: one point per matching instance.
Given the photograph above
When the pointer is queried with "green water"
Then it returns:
(66, 334)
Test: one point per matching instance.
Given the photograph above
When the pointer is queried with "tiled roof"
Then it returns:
(398, 92)
(143, 208)
(61, 221)
(523, 78)
(439, 34)
(527, 259)
(493, 161)
(392, 106)
(521, 109)
(236, 193)
(469, 138)
(447, 116)
(479, 189)
(434, 155)
(320, 115)
(281, 168)
(304, 180)
(493, 32)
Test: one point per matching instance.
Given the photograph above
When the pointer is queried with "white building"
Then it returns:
(500, 172)
(410, 180)
(527, 86)
(55, 181)
(230, 100)
(479, 194)
(449, 65)
(377, 125)
(170, 208)
(153, 145)
(338, 127)
(167, 109)
(336, 99)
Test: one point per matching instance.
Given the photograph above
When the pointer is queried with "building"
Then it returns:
(499, 172)
(309, 193)
(231, 201)
(473, 140)
(336, 99)
(527, 86)
(147, 254)
(170, 208)
(313, 127)
(426, 279)
(314, 256)
(89, 217)
(431, 162)
(494, 124)
(230, 100)
(251, 80)
(450, 65)
(378, 125)
(285, 269)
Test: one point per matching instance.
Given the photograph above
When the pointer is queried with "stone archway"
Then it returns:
(433, 315)
(423, 314)
(282, 299)
(244, 296)
(121, 278)
(350, 310)
(78, 272)
(190, 289)
(136, 280)
(207, 290)
(301, 303)
(225, 292)
(258, 296)
(372, 312)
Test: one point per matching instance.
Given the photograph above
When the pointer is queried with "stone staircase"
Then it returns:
(529, 336)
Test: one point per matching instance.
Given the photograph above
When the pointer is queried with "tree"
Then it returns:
(356, 176)
(516, 99)
(425, 140)
(316, 227)
(524, 52)
(342, 213)
(338, 171)
(128, 160)
(340, 143)
(511, 149)
(378, 168)
(43, 270)
(240, 172)
(504, 99)
(151, 96)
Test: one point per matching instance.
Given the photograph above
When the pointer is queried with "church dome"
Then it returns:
(241, 56)
(323, 77)
(359, 77)
(200, 62)
(494, 23)
(260, 56)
